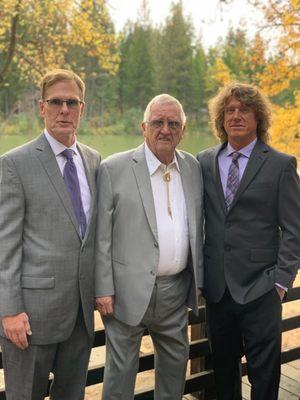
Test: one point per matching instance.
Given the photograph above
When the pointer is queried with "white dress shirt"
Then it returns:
(172, 231)
(57, 148)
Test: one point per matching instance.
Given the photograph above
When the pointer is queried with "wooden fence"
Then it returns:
(198, 348)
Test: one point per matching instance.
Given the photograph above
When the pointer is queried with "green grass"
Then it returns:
(109, 144)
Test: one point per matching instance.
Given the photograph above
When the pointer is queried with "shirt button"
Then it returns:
(155, 244)
(152, 273)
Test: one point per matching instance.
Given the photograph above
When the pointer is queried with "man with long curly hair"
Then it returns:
(252, 242)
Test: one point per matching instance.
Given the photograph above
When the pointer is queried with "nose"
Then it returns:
(165, 128)
(236, 113)
(64, 108)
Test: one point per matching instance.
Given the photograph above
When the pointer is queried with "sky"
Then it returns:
(211, 18)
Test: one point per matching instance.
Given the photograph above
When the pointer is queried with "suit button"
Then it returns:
(228, 224)
(227, 247)
(81, 276)
(155, 244)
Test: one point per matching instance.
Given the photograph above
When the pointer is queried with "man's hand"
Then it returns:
(16, 328)
(105, 305)
(280, 291)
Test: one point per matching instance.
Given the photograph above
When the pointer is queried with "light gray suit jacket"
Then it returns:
(256, 243)
(46, 269)
(127, 249)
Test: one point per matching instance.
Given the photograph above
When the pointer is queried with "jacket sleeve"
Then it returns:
(104, 283)
(12, 211)
(289, 221)
(200, 274)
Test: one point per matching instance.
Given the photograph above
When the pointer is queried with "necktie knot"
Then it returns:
(235, 156)
(68, 154)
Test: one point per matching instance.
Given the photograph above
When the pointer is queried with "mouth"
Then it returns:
(65, 122)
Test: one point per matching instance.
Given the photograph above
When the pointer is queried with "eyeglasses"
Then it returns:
(56, 104)
(159, 123)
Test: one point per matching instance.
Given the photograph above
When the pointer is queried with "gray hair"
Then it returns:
(163, 99)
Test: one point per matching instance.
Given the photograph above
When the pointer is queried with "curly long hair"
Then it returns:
(249, 96)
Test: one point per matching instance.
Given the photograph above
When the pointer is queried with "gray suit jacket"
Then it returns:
(45, 266)
(127, 249)
(256, 243)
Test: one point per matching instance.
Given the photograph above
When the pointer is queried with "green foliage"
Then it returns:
(19, 124)
(176, 57)
(150, 59)
(136, 68)
(109, 144)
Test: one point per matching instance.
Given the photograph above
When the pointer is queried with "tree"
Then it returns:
(136, 68)
(199, 79)
(281, 77)
(175, 70)
(136, 73)
(37, 35)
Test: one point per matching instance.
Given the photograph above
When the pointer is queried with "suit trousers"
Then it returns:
(253, 330)
(26, 372)
(166, 320)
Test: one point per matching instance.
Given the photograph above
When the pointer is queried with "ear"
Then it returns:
(183, 131)
(82, 109)
(143, 127)
(42, 108)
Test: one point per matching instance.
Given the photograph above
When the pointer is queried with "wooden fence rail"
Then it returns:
(198, 348)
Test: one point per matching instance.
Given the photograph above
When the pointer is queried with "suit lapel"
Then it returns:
(141, 172)
(216, 175)
(91, 182)
(49, 163)
(188, 189)
(257, 158)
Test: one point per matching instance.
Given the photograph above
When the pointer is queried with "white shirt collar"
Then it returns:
(245, 151)
(56, 146)
(154, 163)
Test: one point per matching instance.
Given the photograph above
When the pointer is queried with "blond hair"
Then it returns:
(61, 75)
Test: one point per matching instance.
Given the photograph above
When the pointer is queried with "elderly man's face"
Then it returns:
(61, 121)
(164, 130)
(239, 122)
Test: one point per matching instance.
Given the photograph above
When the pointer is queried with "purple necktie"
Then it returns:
(72, 183)
(233, 179)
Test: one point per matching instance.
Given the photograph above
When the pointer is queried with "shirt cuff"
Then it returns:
(282, 287)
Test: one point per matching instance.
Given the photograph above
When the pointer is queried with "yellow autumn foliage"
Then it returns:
(219, 75)
(283, 70)
(285, 132)
(47, 30)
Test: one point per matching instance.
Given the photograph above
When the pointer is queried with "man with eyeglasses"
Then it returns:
(148, 253)
(47, 227)
(252, 242)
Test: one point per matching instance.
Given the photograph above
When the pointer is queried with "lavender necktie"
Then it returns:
(233, 179)
(72, 183)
